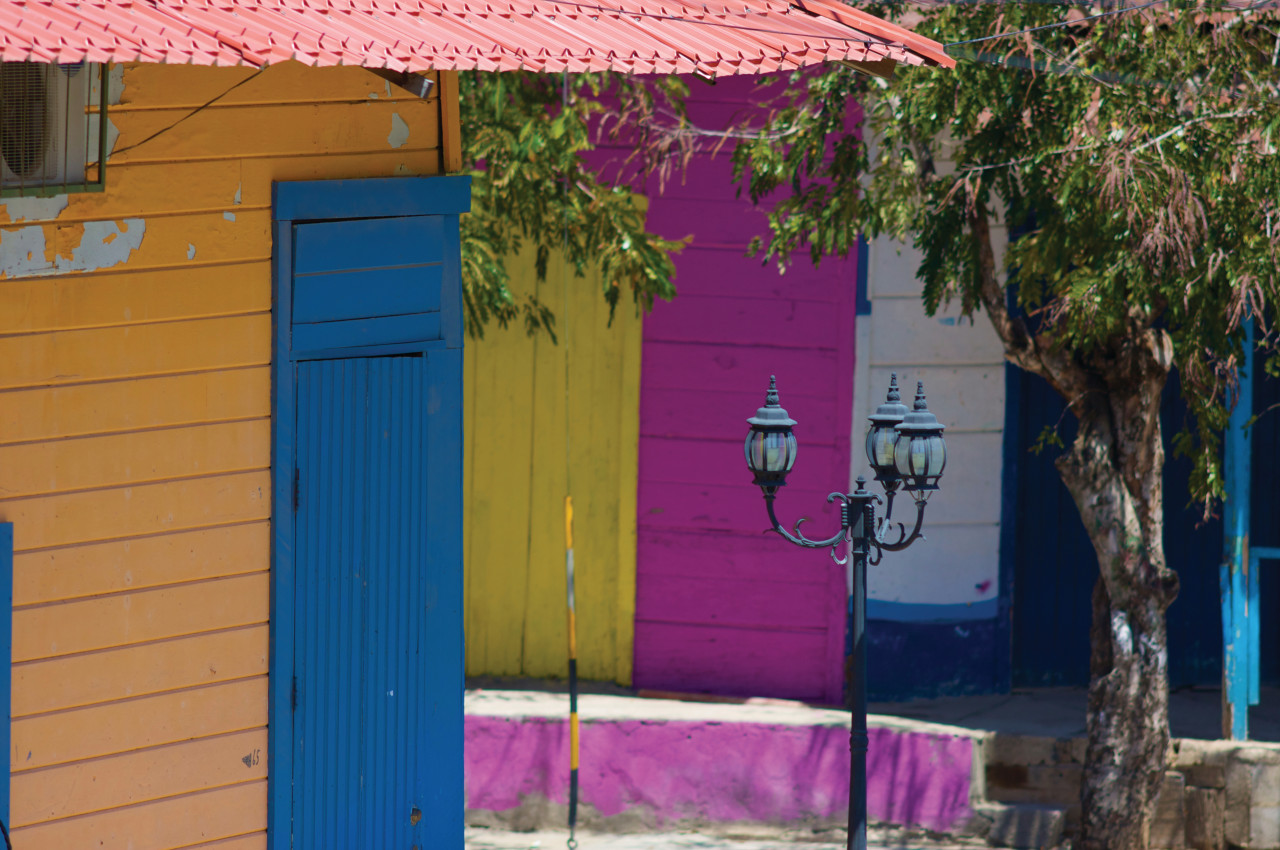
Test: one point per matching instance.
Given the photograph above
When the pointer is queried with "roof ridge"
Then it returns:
(712, 37)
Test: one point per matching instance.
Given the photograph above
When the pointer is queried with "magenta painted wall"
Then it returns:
(673, 771)
(721, 608)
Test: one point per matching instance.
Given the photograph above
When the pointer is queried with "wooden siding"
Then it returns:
(135, 448)
(517, 433)
(721, 608)
(933, 609)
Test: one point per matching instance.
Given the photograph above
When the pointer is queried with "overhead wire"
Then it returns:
(210, 102)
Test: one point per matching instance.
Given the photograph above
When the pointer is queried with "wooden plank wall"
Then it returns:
(135, 449)
(517, 434)
(720, 607)
(933, 609)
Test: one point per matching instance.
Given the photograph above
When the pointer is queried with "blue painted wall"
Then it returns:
(926, 653)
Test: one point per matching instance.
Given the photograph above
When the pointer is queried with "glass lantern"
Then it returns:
(920, 454)
(770, 447)
(882, 433)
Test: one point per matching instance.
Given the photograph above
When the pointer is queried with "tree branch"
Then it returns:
(1239, 113)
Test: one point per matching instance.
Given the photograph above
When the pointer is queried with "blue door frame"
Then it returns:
(6, 653)
(437, 335)
(1247, 576)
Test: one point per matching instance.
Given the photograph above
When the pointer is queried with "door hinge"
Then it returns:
(293, 694)
(297, 488)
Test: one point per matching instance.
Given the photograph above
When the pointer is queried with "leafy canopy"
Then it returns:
(1132, 156)
(524, 136)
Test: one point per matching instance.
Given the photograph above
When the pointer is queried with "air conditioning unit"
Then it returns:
(51, 132)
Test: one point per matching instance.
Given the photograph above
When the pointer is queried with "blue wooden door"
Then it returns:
(1053, 564)
(366, 720)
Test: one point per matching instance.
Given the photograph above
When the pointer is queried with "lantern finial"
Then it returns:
(882, 433)
(920, 454)
(770, 447)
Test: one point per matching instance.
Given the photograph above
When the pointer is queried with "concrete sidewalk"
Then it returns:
(1060, 713)
(1008, 767)
(655, 765)
(880, 837)
(484, 839)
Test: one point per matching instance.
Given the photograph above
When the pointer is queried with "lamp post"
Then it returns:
(907, 452)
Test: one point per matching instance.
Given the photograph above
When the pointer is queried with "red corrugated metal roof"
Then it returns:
(710, 37)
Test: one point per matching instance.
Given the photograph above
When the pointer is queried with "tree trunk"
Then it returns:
(1113, 472)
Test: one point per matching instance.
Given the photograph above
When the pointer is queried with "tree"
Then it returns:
(524, 139)
(1135, 150)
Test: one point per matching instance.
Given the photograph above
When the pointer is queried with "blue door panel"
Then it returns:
(367, 293)
(368, 243)
(384, 330)
(369, 641)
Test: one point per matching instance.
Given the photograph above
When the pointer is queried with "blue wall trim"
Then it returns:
(374, 197)
(862, 299)
(1010, 451)
(280, 664)
(915, 660)
(1238, 583)
(6, 653)
(908, 612)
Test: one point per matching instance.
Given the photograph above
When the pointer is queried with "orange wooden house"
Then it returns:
(231, 398)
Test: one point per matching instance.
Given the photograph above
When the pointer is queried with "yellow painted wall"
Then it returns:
(515, 483)
(135, 449)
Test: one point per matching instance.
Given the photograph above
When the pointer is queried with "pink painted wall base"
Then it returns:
(776, 767)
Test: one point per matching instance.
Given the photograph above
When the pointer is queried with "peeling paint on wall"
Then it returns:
(113, 133)
(33, 209)
(22, 252)
(115, 84)
(229, 216)
(399, 131)
(239, 193)
(191, 251)
(26, 252)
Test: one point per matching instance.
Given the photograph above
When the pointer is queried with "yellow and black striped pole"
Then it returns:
(573, 673)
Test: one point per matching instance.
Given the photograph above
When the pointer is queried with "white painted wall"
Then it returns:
(962, 366)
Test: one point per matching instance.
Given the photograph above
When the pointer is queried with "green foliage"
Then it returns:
(523, 140)
(1132, 156)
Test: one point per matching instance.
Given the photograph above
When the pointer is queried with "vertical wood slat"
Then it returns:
(451, 131)
(440, 601)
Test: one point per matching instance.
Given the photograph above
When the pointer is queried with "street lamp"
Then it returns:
(907, 452)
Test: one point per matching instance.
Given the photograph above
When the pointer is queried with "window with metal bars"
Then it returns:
(53, 129)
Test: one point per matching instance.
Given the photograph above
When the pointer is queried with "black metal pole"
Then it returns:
(862, 526)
